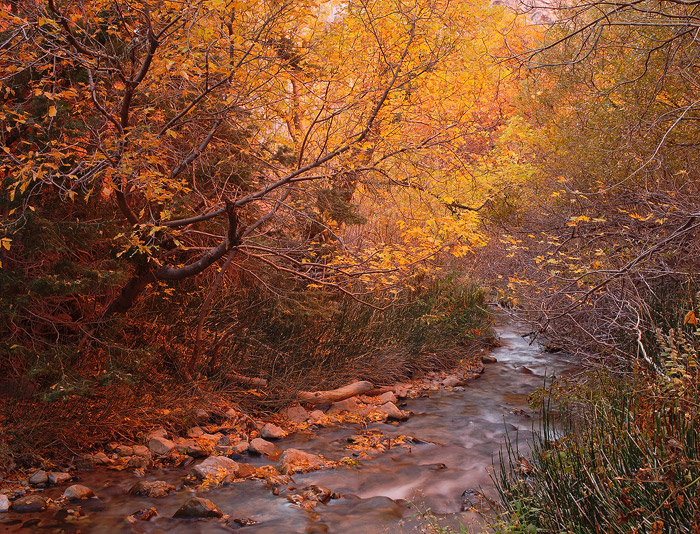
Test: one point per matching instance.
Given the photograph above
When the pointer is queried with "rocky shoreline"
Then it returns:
(217, 451)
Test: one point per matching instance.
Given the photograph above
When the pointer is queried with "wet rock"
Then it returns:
(487, 358)
(296, 414)
(243, 471)
(141, 450)
(59, 478)
(191, 448)
(144, 514)
(100, 458)
(76, 492)
(87, 463)
(29, 504)
(241, 446)
(452, 381)
(294, 460)
(392, 412)
(38, 478)
(347, 405)
(319, 494)
(160, 445)
(4, 504)
(388, 397)
(270, 431)
(215, 466)
(316, 415)
(124, 450)
(265, 448)
(245, 521)
(155, 489)
(139, 462)
(224, 441)
(194, 432)
(198, 507)
(458, 388)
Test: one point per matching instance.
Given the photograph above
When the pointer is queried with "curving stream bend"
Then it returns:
(445, 467)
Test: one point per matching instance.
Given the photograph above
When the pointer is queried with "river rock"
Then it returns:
(401, 391)
(201, 416)
(141, 450)
(29, 504)
(160, 445)
(155, 489)
(191, 448)
(198, 507)
(144, 514)
(158, 433)
(295, 460)
(241, 446)
(266, 448)
(270, 431)
(4, 504)
(452, 381)
(388, 397)
(232, 414)
(76, 492)
(487, 358)
(124, 450)
(316, 415)
(139, 462)
(296, 414)
(215, 465)
(38, 478)
(347, 405)
(392, 412)
(59, 478)
(100, 458)
(195, 432)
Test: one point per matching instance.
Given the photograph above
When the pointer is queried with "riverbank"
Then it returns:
(377, 466)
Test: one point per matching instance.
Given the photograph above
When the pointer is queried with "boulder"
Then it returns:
(296, 414)
(263, 447)
(392, 412)
(295, 460)
(160, 445)
(215, 466)
(155, 489)
(59, 478)
(388, 397)
(38, 478)
(270, 431)
(4, 504)
(198, 507)
(29, 504)
(76, 492)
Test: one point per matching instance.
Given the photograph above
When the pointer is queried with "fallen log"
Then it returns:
(334, 395)
(248, 380)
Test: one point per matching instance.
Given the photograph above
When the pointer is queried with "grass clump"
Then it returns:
(619, 455)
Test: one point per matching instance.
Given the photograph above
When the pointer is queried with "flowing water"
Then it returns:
(444, 470)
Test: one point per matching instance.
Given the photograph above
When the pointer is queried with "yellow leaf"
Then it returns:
(52, 111)
(690, 318)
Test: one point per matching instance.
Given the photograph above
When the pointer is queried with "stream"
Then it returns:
(443, 469)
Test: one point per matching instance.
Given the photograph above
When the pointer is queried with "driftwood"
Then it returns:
(334, 395)
(247, 380)
(379, 390)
